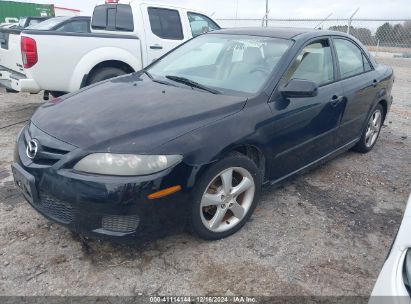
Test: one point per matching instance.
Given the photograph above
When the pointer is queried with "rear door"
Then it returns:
(163, 29)
(361, 84)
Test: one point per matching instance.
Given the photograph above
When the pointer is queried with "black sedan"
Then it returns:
(189, 141)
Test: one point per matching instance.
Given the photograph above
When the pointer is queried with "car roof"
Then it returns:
(278, 32)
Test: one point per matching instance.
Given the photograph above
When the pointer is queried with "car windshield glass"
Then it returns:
(235, 63)
(48, 24)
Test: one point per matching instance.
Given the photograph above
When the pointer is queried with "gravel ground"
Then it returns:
(325, 232)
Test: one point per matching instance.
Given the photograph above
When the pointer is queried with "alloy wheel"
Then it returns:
(373, 128)
(227, 199)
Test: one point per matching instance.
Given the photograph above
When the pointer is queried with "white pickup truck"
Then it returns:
(125, 37)
(10, 56)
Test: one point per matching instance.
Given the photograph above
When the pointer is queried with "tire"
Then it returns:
(228, 213)
(104, 74)
(56, 94)
(371, 130)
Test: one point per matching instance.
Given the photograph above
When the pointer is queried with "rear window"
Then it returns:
(48, 24)
(77, 26)
(113, 17)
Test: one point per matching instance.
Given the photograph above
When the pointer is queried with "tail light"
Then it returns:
(28, 52)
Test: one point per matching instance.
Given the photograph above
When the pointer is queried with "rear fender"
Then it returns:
(93, 58)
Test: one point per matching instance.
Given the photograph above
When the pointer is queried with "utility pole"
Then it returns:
(236, 13)
(266, 13)
(350, 20)
(322, 21)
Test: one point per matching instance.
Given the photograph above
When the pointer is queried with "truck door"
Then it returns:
(163, 30)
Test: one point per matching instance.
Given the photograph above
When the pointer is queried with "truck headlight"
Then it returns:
(126, 164)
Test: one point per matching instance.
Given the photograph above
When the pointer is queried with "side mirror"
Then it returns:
(296, 88)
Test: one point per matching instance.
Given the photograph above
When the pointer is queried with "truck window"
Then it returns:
(75, 27)
(201, 24)
(113, 17)
(48, 24)
(165, 23)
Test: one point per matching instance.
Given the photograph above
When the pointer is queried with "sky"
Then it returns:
(385, 9)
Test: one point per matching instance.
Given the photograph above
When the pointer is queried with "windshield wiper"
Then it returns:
(192, 84)
(157, 80)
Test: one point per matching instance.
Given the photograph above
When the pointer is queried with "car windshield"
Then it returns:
(235, 63)
(48, 24)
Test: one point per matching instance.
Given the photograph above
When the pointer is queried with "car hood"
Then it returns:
(131, 114)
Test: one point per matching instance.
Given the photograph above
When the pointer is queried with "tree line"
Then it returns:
(387, 34)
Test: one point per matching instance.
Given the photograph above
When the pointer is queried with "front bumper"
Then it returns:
(17, 82)
(103, 206)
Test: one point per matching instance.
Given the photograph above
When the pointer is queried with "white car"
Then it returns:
(125, 37)
(393, 283)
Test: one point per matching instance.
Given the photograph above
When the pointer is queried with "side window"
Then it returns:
(113, 17)
(367, 66)
(75, 27)
(165, 23)
(34, 21)
(350, 58)
(201, 24)
(314, 63)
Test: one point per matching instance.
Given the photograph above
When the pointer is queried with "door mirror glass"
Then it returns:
(296, 88)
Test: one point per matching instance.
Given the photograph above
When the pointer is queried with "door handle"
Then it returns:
(375, 82)
(156, 47)
(335, 100)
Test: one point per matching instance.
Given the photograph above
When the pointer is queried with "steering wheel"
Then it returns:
(262, 70)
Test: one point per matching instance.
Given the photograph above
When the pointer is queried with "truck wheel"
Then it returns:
(56, 94)
(105, 73)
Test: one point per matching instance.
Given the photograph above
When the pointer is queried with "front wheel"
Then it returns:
(371, 131)
(105, 73)
(226, 197)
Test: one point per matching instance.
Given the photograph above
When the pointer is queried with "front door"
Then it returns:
(304, 129)
(164, 30)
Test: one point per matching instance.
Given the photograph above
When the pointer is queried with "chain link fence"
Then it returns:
(383, 37)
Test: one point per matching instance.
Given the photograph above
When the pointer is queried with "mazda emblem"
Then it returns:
(32, 148)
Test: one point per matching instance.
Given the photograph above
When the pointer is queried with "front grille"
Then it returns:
(49, 150)
(55, 208)
(120, 223)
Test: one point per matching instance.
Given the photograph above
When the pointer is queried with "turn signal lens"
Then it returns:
(164, 192)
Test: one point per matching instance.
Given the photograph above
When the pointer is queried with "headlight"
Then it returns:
(126, 164)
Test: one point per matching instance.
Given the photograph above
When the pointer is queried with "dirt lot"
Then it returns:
(326, 232)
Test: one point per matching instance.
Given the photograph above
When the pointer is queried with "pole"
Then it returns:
(266, 13)
(236, 14)
(349, 20)
(322, 21)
